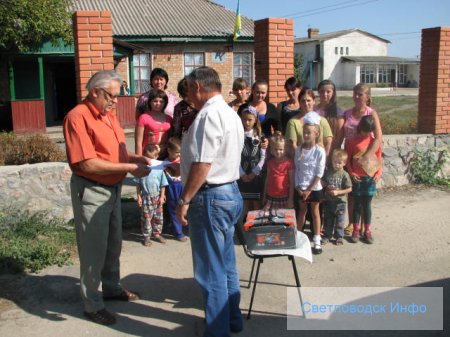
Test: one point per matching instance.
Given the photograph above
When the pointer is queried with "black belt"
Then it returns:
(96, 182)
(207, 186)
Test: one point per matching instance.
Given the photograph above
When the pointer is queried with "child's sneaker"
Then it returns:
(354, 239)
(355, 235)
(368, 238)
(317, 248)
(147, 241)
(159, 238)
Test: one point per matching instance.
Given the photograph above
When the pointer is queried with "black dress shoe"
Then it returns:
(101, 317)
(125, 295)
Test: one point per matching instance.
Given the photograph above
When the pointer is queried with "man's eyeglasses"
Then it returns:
(110, 96)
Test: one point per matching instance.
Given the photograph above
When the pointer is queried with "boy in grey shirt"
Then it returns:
(337, 184)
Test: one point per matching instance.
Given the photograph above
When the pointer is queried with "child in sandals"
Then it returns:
(151, 195)
(337, 184)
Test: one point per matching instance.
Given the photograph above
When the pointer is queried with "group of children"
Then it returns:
(284, 176)
(161, 187)
(305, 169)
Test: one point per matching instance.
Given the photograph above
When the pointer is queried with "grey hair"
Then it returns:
(102, 79)
(207, 77)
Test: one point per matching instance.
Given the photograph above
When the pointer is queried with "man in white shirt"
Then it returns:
(211, 201)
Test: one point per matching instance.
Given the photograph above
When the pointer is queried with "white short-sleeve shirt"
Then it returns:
(216, 136)
(309, 164)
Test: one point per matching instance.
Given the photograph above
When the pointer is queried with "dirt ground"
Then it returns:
(412, 247)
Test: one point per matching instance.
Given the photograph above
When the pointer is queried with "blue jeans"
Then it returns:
(173, 193)
(334, 215)
(212, 214)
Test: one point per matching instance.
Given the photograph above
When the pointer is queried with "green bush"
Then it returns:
(31, 242)
(426, 166)
(30, 149)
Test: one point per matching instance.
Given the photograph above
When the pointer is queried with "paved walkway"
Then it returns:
(411, 229)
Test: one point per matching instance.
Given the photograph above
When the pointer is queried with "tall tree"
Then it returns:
(26, 24)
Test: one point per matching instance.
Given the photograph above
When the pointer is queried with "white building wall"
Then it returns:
(349, 77)
(357, 44)
(413, 74)
(352, 44)
(308, 50)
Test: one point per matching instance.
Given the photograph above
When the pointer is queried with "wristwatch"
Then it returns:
(182, 202)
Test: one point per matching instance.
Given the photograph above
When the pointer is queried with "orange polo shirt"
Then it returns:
(89, 135)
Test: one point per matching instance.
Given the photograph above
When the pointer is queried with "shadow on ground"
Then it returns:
(54, 297)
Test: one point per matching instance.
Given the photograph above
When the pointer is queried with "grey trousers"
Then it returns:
(98, 222)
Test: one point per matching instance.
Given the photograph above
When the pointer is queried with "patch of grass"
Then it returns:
(398, 114)
(345, 102)
(30, 242)
(30, 149)
(385, 103)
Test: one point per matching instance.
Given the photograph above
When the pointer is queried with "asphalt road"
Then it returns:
(412, 247)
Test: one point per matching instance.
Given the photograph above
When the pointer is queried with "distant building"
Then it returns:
(351, 56)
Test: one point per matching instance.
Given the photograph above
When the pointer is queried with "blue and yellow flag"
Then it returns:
(237, 24)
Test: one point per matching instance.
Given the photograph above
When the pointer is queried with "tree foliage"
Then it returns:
(299, 67)
(29, 23)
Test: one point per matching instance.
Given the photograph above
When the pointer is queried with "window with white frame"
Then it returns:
(402, 74)
(243, 66)
(384, 73)
(141, 71)
(336, 50)
(346, 50)
(193, 61)
(342, 50)
(367, 73)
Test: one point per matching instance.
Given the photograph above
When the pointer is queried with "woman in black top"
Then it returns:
(291, 107)
(268, 114)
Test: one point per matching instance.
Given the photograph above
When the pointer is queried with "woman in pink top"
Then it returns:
(361, 97)
(158, 80)
(153, 127)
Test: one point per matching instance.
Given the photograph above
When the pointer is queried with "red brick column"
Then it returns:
(434, 89)
(274, 55)
(93, 46)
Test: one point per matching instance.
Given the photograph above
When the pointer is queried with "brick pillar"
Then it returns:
(93, 46)
(434, 89)
(274, 55)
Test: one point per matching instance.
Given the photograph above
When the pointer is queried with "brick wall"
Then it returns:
(434, 89)
(274, 55)
(93, 46)
(170, 57)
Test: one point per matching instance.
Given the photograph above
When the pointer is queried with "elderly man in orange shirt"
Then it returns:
(97, 155)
